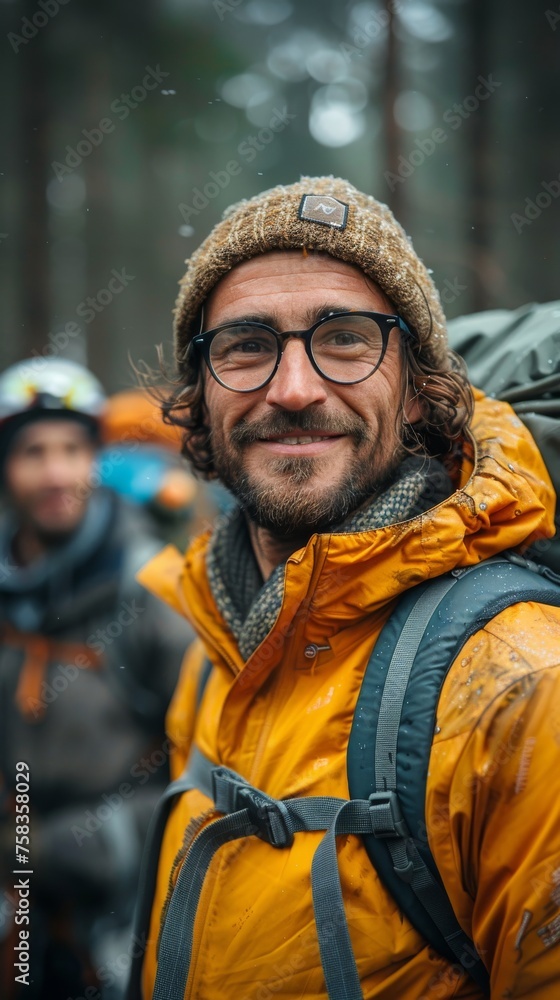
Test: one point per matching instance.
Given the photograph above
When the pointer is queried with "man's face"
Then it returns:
(45, 472)
(294, 488)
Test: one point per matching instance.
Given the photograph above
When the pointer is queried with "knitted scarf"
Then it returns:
(249, 606)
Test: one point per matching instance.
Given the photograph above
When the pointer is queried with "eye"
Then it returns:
(242, 346)
(350, 335)
(248, 345)
(337, 337)
(343, 338)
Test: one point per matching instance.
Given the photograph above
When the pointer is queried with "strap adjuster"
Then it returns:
(386, 816)
(270, 816)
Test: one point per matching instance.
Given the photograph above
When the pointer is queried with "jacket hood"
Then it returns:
(504, 500)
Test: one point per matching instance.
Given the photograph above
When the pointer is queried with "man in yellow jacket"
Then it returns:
(315, 381)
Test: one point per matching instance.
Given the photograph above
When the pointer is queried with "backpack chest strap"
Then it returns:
(248, 811)
(251, 812)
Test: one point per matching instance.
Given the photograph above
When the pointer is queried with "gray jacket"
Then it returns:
(88, 663)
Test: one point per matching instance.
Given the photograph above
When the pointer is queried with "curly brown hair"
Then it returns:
(444, 397)
(445, 400)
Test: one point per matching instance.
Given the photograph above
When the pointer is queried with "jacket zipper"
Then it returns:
(273, 703)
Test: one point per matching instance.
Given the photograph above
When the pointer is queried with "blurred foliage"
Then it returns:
(366, 83)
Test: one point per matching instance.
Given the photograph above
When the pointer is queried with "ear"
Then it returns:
(411, 409)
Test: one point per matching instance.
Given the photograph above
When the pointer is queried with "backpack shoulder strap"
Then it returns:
(392, 731)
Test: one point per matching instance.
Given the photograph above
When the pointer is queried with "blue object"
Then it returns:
(134, 471)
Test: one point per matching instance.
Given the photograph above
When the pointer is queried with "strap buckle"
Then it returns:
(270, 816)
(518, 560)
(386, 816)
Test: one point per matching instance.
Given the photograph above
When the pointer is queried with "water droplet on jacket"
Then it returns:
(437, 729)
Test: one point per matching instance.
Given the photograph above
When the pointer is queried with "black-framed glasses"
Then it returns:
(345, 348)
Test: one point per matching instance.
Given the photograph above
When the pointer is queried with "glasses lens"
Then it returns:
(347, 348)
(243, 356)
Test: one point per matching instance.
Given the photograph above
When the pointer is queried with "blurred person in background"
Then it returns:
(88, 662)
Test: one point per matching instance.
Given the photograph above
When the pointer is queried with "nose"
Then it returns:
(296, 384)
(58, 472)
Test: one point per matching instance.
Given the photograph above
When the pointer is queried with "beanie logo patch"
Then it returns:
(324, 209)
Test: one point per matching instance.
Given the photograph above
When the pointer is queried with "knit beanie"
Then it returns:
(324, 214)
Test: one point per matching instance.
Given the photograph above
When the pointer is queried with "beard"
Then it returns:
(52, 532)
(53, 538)
(290, 507)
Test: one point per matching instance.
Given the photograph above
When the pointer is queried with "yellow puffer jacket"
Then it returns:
(283, 720)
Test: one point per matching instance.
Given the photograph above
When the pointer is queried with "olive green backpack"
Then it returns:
(515, 356)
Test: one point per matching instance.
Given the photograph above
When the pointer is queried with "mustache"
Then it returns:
(286, 422)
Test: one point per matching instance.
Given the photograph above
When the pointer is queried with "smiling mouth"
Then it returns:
(301, 439)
